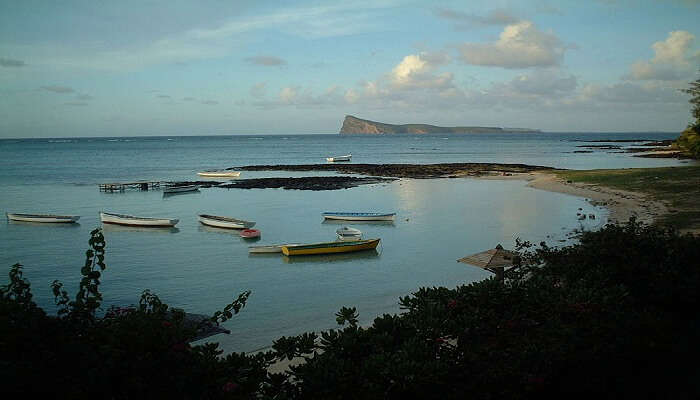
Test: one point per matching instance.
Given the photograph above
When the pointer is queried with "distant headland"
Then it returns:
(354, 125)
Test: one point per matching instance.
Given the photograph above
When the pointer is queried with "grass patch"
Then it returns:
(678, 186)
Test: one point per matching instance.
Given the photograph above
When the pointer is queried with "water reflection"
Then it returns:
(213, 229)
(111, 228)
(264, 255)
(344, 222)
(59, 225)
(166, 195)
(326, 258)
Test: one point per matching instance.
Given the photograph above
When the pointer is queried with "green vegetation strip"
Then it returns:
(679, 187)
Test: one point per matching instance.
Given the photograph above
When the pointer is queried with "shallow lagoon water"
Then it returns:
(202, 269)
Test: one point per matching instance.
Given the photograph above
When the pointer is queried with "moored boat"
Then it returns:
(330, 247)
(131, 220)
(359, 216)
(180, 188)
(250, 233)
(272, 248)
(43, 218)
(219, 174)
(346, 234)
(225, 222)
(346, 157)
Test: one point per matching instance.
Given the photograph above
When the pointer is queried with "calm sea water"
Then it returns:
(201, 269)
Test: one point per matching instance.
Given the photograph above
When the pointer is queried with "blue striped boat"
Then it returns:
(359, 216)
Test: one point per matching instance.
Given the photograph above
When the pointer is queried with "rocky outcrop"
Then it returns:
(406, 170)
(354, 125)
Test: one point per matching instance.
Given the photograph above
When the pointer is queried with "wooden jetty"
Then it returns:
(122, 186)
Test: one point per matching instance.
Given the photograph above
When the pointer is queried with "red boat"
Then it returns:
(250, 233)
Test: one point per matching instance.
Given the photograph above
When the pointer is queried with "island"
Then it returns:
(353, 125)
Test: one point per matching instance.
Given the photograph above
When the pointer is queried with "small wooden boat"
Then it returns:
(219, 174)
(180, 189)
(225, 222)
(272, 248)
(130, 220)
(250, 233)
(330, 247)
(359, 216)
(347, 234)
(44, 218)
(339, 158)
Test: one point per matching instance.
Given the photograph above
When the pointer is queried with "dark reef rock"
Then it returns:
(304, 183)
(404, 170)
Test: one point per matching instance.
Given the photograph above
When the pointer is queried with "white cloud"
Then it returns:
(673, 59)
(520, 45)
(289, 94)
(416, 71)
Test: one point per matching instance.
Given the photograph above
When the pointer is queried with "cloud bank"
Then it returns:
(520, 45)
(673, 59)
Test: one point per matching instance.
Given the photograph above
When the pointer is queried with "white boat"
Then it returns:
(346, 233)
(272, 248)
(181, 188)
(339, 158)
(225, 222)
(130, 220)
(359, 216)
(44, 218)
(219, 174)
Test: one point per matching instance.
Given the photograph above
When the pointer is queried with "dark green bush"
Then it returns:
(128, 353)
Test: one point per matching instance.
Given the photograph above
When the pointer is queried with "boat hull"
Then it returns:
(339, 158)
(330, 247)
(250, 233)
(349, 238)
(219, 174)
(43, 218)
(359, 216)
(273, 248)
(130, 220)
(348, 234)
(225, 222)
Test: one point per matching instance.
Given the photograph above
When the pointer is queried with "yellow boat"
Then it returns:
(329, 247)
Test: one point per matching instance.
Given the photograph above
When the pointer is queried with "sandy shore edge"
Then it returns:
(621, 204)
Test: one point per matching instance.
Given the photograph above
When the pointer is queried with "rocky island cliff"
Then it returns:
(354, 125)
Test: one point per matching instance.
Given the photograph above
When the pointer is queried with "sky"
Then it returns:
(212, 67)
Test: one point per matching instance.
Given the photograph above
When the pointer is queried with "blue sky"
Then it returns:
(130, 68)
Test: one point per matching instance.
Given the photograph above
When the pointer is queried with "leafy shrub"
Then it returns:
(127, 353)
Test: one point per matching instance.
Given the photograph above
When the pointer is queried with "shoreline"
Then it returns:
(621, 204)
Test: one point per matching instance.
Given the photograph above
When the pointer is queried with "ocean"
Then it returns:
(202, 269)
